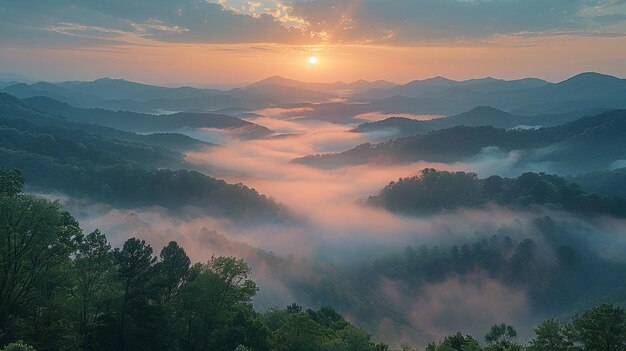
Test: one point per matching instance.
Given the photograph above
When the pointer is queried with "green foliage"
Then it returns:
(605, 183)
(63, 290)
(601, 328)
(93, 270)
(456, 342)
(18, 346)
(70, 291)
(501, 334)
(37, 238)
(321, 330)
(552, 335)
(173, 268)
(434, 191)
(11, 182)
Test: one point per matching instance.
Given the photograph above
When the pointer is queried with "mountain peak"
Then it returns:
(483, 80)
(272, 79)
(433, 80)
(114, 80)
(439, 79)
(484, 110)
(589, 77)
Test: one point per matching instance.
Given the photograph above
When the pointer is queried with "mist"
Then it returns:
(335, 234)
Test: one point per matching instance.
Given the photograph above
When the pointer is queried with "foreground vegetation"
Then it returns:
(62, 289)
(601, 328)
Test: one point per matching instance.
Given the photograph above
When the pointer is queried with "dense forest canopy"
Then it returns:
(434, 191)
(115, 167)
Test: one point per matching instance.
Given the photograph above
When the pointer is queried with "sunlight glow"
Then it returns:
(313, 60)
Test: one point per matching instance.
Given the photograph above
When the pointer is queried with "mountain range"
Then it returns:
(584, 145)
(119, 168)
(343, 102)
(437, 84)
(147, 123)
(478, 116)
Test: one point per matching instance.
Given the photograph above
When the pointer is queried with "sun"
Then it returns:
(313, 60)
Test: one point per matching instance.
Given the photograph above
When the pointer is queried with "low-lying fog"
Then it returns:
(335, 229)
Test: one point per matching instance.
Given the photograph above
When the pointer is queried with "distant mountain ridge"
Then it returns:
(436, 84)
(138, 122)
(119, 168)
(587, 144)
(116, 89)
(357, 86)
(341, 102)
(13, 109)
(478, 116)
(581, 92)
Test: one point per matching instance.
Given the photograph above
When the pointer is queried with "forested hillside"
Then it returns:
(434, 191)
(478, 116)
(139, 122)
(585, 144)
(115, 167)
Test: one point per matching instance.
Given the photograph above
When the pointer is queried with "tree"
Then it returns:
(93, 269)
(349, 339)
(173, 268)
(502, 337)
(11, 182)
(603, 328)
(210, 297)
(299, 333)
(37, 237)
(136, 263)
(552, 335)
(294, 308)
(459, 342)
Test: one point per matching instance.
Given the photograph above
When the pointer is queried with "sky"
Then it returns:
(204, 42)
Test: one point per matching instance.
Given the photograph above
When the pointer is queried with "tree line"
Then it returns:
(434, 191)
(601, 328)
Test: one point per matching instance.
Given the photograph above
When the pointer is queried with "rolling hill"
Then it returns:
(138, 122)
(479, 116)
(437, 84)
(589, 143)
(114, 167)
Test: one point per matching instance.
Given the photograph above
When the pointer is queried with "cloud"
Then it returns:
(135, 22)
(300, 22)
(406, 21)
(471, 304)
